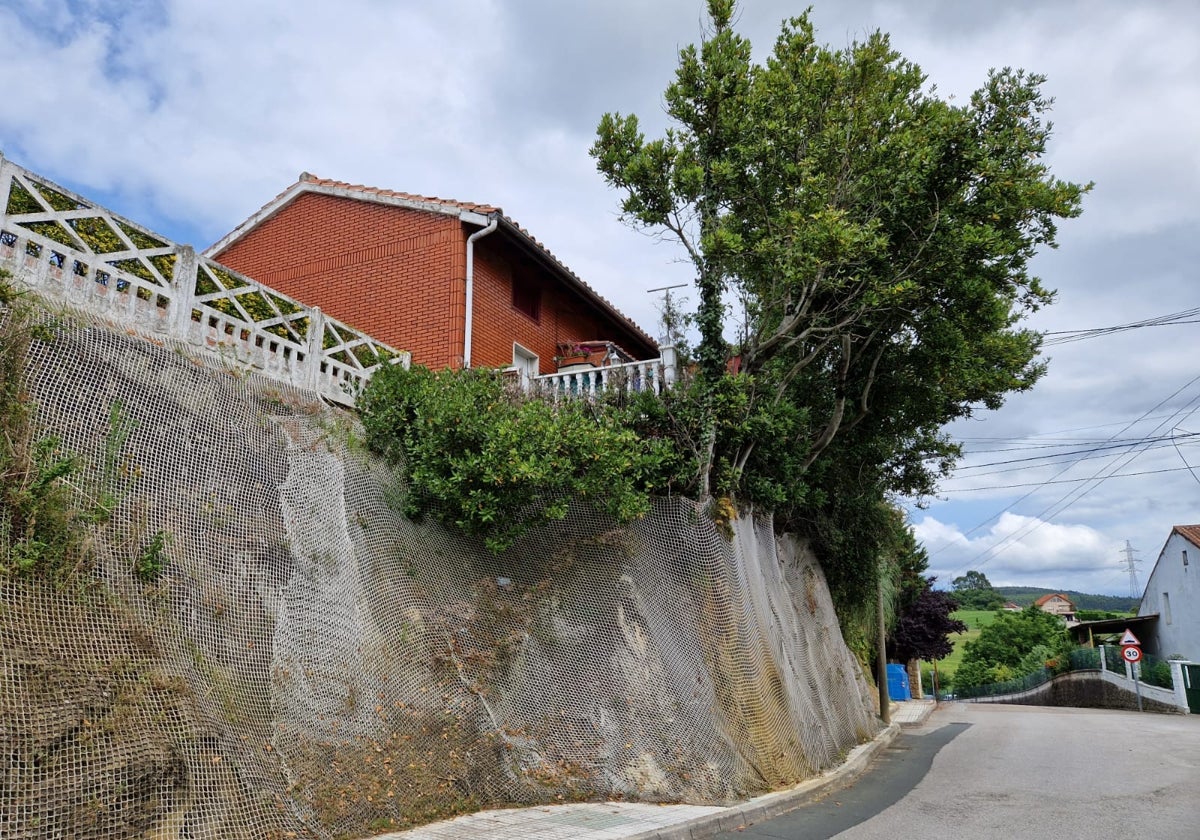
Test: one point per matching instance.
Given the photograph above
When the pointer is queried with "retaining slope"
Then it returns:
(312, 664)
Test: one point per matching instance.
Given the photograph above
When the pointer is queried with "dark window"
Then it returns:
(526, 296)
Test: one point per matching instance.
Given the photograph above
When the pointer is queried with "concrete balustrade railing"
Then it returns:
(70, 250)
(631, 377)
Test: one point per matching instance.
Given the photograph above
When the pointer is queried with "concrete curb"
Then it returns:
(772, 805)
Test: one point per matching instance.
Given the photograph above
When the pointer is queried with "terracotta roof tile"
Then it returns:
(1046, 598)
(1189, 532)
(471, 206)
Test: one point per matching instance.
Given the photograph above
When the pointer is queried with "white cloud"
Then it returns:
(1024, 551)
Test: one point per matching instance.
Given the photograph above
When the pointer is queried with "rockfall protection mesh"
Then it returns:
(312, 664)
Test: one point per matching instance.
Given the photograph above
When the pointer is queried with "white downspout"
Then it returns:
(479, 234)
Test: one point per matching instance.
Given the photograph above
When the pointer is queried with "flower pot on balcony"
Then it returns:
(572, 362)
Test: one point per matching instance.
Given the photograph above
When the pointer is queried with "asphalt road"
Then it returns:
(978, 772)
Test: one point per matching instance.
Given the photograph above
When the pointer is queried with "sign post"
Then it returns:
(1131, 652)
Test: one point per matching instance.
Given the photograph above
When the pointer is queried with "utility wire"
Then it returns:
(1162, 440)
(1064, 337)
(1043, 516)
(1064, 431)
(1075, 495)
(1070, 498)
(1071, 481)
(1188, 316)
(1179, 452)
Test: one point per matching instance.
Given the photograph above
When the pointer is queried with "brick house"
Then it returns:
(1058, 604)
(452, 282)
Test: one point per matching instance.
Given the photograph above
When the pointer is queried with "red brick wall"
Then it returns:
(497, 324)
(399, 275)
(394, 273)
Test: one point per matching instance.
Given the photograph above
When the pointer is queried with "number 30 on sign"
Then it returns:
(1131, 653)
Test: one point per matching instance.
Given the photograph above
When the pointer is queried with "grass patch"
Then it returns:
(975, 621)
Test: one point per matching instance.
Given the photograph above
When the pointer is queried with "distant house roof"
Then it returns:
(1011, 605)
(467, 211)
(1045, 599)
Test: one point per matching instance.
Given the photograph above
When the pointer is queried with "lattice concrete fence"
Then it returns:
(75, 252)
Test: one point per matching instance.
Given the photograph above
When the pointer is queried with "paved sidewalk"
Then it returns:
(912, 712)
(639, 821)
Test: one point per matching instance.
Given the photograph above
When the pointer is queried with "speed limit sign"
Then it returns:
(1131, 653)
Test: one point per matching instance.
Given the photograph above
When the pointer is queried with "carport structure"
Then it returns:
(1109, 630)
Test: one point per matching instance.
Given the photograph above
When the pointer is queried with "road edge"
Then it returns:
(772, 805)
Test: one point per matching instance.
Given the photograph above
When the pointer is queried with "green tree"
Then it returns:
(681, 183)
(971, 580)
(1013, 645)
(876, 235)
(974, 592)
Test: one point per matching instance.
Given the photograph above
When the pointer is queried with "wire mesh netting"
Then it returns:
(309, 663)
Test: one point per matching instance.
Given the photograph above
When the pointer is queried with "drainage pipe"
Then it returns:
(479, 234)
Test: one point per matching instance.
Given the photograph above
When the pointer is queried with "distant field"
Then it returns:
(974, 619)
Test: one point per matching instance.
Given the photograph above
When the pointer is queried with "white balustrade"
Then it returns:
(631, 377)
(201, 302)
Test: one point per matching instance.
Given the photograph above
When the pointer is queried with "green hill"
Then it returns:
(1026, 595)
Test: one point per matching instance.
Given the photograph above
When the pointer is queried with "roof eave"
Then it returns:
(570, 279)
(1188, 532)
(303, 186)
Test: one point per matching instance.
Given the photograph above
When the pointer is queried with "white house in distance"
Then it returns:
(1174, 594)
(1059, 605)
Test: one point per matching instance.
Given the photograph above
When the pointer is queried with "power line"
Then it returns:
(1063, 337)
(1188, 316)
(1066, 431)
(1067, 481)
(1073, 496)
(1161, 440)
(1179, 452)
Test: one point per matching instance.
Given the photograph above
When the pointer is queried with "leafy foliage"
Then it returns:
(974, 591)
(878, 240)
(923, 627)
(1097, 615)
(42, 530)
(152, 561)
(1013, 645)
(1156, 672)
(480, 455)
(49, 504)
(971, 580)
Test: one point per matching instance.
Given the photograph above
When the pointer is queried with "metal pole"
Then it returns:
(1137, 682)
(885, 709)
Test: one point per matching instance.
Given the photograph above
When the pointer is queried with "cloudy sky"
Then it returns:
(187, 116)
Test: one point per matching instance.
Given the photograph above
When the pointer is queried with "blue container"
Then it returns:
(897, 678)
